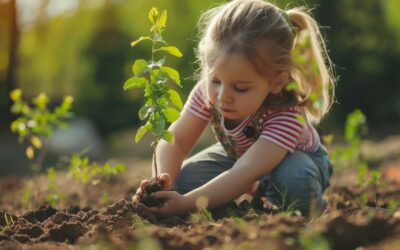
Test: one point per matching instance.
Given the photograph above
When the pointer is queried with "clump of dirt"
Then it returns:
(358, 227)
(148, 187)
(147, 199)
(48, 224)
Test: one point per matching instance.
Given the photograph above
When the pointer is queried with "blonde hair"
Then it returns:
(274, 41)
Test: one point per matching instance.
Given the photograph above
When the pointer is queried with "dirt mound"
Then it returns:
(48, 224)
(123, 224)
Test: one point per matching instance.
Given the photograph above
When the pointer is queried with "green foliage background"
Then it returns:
(86, 53)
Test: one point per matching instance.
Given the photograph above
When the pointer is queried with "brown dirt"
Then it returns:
(367, 217)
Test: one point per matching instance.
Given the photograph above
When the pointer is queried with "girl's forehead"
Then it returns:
(249, 56)
(236, 65)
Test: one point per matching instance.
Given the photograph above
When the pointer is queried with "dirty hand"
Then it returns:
(164, 180)
(174, 203)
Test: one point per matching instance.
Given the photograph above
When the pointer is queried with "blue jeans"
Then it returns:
(298, 182)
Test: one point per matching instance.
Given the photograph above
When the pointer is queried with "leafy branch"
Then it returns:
(162, 104)
(35, 123)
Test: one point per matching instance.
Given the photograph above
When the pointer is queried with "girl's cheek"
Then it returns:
(212, 93)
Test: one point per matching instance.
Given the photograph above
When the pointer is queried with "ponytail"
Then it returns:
(312, 68)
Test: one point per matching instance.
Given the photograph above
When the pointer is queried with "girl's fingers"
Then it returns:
(144, 184)
(135, 198)
(165, 180)
(158, 210)
(163, 195)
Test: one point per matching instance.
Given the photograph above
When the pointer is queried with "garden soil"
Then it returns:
(365, 217)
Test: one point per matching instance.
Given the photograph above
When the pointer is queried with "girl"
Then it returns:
(264, 80)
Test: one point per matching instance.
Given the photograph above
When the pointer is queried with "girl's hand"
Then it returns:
(174, 203)
(164, 180)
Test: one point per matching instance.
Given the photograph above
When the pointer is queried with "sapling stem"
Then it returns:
(155, 167)
(162, 103)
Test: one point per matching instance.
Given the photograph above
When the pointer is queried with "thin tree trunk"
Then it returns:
(8, 12)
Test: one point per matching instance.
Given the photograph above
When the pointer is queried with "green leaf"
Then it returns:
(159, 126)
(162, 21)
(144, 112)
(161, 62)
(172, 73)
(153, 15)
(15, 95)
(292, 86)
(141, 132)
(169, 137)
(142, 38)
(300, 119)
(171, 114)
(41, 101)
(175, 98)
(139, 67)
(171, 50)
(154, 76)
(135, 82)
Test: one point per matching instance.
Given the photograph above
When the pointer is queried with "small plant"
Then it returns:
(201, 215)
(289, 208)
(138, 222)
(393, 205)
(34, 124)
(311, 239)
(364, 199)
(161, 102)
(105, 198)
(350, 155)
(86, 171)
(9, 222)
(55, 196)
(82, 169)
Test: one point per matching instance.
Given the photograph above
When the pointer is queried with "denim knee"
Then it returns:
(296, 183)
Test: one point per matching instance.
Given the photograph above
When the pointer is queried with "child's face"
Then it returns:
(237, 89)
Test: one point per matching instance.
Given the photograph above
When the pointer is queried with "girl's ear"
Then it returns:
(279, 82)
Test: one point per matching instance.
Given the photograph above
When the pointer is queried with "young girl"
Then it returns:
(265, 79)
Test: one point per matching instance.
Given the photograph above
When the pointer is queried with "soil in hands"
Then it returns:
(147, 199)
(154, 185)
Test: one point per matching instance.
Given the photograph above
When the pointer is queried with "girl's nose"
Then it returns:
(224, 96)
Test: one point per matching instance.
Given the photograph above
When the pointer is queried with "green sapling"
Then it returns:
(162, 104)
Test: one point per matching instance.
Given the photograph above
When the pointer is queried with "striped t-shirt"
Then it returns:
(284, 127)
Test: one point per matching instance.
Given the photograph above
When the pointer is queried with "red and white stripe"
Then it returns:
(282, 127)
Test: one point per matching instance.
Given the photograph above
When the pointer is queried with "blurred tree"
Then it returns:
(367, 56)
(86, 53)
(102, 99)
(51, 52)
(9, 36)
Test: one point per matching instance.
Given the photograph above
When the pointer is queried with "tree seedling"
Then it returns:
(34, 124)
(161, 102)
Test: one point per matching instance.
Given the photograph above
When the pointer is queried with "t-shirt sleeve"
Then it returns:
(283, 128)
(197, 105)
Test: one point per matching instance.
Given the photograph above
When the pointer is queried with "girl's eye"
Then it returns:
(240, 90)
(215, 81)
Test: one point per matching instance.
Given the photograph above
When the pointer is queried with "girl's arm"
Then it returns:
(262, 157)
(187, 129)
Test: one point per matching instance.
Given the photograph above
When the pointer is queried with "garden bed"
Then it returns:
(366, 216)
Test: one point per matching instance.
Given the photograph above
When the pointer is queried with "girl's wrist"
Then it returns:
(189, 203)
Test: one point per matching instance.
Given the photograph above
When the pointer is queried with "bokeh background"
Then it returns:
(81, 48)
